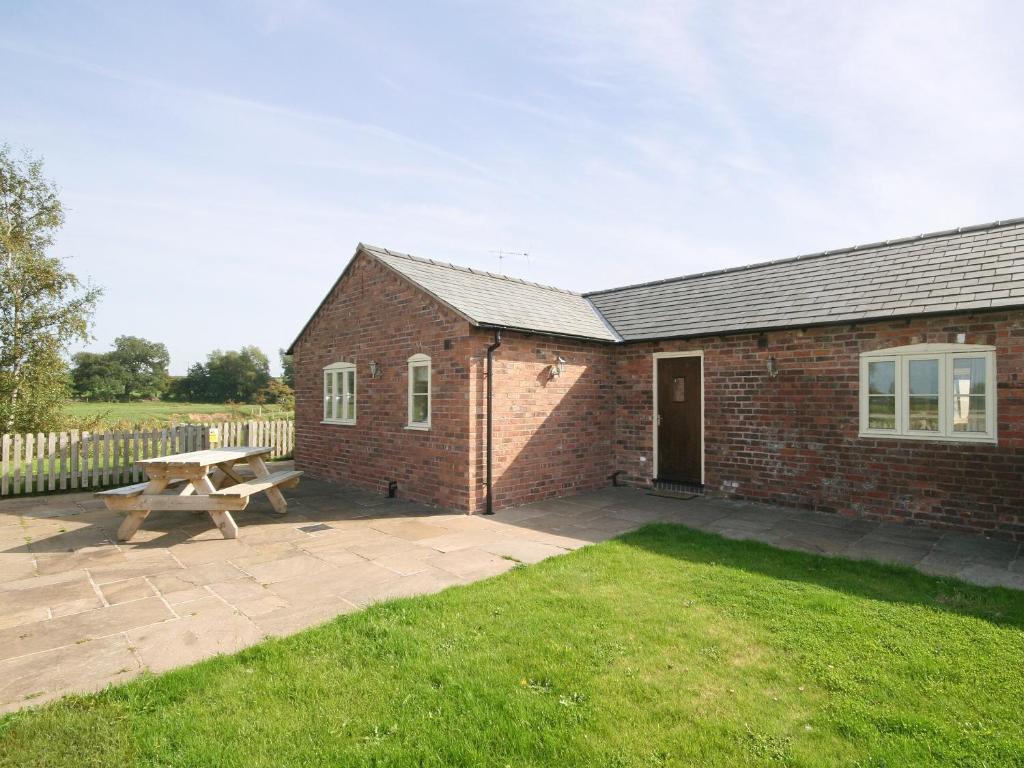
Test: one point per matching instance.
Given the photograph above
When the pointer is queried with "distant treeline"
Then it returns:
(136, 369)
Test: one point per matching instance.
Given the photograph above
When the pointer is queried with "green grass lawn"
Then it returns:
(666, 647)
(152, 414)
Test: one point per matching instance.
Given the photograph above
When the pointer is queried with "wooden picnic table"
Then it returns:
(200, 481)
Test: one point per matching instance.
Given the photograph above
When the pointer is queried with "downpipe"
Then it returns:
(490, 422)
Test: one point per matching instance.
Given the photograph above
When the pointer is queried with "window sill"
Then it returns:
(418, 427)
(344, 423)
(983, 439)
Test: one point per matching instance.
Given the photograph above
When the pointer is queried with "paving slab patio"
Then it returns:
(78, 610)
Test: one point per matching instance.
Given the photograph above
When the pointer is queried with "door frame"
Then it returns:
(699, 353)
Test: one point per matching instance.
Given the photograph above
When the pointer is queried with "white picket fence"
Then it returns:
(60, 461)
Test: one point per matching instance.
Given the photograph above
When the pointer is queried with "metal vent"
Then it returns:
(670, 487)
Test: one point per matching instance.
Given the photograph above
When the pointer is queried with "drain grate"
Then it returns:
(315, 528)
(676, 490)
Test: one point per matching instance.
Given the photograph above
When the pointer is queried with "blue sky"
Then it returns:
(219, 161)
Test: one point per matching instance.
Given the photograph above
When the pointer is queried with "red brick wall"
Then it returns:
(793, 440)
(790, 440)
(373, 314)
(552, 436)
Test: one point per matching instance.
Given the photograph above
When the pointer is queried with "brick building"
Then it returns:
(884, 380)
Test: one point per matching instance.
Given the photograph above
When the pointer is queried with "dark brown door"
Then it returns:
(678, 419)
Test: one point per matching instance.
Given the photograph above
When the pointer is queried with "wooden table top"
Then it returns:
(207, 458)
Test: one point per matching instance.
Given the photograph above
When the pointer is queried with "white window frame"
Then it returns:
(945, 354)
(336, 373)
(417, 361)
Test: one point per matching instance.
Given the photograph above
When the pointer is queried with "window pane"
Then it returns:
(882, 378)
(420, 408)
(969, 376)
(350, 394)
(924, 377)
(881, 412)
(969, 394)
(969, 413)
(328, 394)
(924, 413)
(337, 395)
(420, 377)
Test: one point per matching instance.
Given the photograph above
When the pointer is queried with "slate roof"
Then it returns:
(958, 270)
(496, 301)
(970, 268)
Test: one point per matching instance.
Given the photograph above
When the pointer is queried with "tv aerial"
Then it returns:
(502, 254)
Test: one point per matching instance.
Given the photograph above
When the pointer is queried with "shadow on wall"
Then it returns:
(553, 435)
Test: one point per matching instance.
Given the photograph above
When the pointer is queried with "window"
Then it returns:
(340, 393)
(929, 392)
(419, 392)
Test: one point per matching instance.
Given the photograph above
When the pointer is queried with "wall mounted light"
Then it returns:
(375, 369)
(556, 368)
(773, 367)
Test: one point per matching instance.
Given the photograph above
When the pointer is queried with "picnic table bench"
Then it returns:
(199, 481)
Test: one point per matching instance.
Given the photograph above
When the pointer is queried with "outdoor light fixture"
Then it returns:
(773, 367)
(556, 367)
(374, 369)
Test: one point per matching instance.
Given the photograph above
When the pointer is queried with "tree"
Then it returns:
(276, 393)
(193, 386)
(135, 368)
(177, 389)
(236, 376)
(43, 389)
(233, 376)
(287, 368)
(43, 306)
(144, 364)
(98, 376)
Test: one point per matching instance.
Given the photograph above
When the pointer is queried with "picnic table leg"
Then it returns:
(225, 475)
(276, 497)
(130, 525)
(221, 517)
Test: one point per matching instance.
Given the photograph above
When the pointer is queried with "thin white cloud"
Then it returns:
(249, 105)
(616, 142)
(829, 121)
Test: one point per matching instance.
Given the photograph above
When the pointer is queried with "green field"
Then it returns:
(668, 647)
(146, 413)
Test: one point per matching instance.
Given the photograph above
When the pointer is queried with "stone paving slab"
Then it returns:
(79, 610)
(79, 668)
